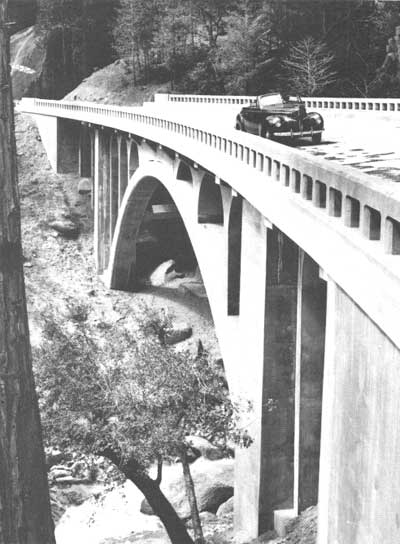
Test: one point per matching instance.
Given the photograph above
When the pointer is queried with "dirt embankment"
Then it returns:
(114, 85)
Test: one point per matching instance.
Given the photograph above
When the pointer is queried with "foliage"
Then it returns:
(134, 394)
(130, 397)
(309, 67)
(72, 29)
(230, 46)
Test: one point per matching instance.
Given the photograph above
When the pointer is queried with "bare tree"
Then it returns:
(25, 516)
(309, 67)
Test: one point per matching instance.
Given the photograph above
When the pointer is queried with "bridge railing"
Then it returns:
(204, 99)
(360, 200)
(381, 105)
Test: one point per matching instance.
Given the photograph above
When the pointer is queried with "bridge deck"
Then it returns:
(366, 142)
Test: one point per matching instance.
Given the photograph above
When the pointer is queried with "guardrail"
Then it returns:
(205, 99)
(385, 105)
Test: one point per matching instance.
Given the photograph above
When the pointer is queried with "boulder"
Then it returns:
(65, 227)
(226, 508)
(62, 497)
(205, 519)
(164, 273)
(70, 480)
(59, 472)
(85, 186)
(213, 481)
(204, 447)
(178, 332)
(53, 457)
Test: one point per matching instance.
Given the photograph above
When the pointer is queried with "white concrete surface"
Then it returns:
(363, 141)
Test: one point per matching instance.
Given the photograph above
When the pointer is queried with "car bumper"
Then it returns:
(293, 133)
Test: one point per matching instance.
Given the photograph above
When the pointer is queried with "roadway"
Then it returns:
(362, 141)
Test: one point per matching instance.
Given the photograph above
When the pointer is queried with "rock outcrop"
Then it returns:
(213, 481)
(226, 508)
(65, 227)
(204, 448)
(178, 332)
(164, 273)
(28, 55)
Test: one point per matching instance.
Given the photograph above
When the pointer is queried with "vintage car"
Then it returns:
(275, 115)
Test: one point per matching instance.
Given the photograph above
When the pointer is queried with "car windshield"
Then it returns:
(270, 99)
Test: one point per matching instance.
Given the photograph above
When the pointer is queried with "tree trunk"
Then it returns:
(157, 500)
(25, 516)
(191, 496)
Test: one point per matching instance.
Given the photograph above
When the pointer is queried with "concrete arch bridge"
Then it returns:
(300, 258)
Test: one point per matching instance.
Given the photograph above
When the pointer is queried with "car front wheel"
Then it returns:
(239, 126)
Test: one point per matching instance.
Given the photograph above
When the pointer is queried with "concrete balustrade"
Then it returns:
(382, 105)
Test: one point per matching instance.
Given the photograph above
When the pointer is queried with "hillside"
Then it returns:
(113, 84)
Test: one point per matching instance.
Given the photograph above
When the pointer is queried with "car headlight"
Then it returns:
(316, 119)
(274, 120)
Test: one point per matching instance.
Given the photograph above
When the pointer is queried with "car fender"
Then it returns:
(310, 113)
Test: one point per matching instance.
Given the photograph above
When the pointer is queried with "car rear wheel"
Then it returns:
(316, 138)
(239, 125)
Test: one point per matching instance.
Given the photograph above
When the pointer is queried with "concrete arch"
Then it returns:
(184, 173)
(210, 207)
(85, 153)
(209, 245)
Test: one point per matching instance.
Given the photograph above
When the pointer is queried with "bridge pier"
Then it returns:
(102, 182)
(278, 381)
(310, 347)
(123, 168)
(85, 152)
(359, 499)
(284, 460)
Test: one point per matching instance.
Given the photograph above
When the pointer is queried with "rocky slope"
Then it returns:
(113, 84)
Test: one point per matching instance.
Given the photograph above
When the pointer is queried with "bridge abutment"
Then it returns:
(61, 140)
